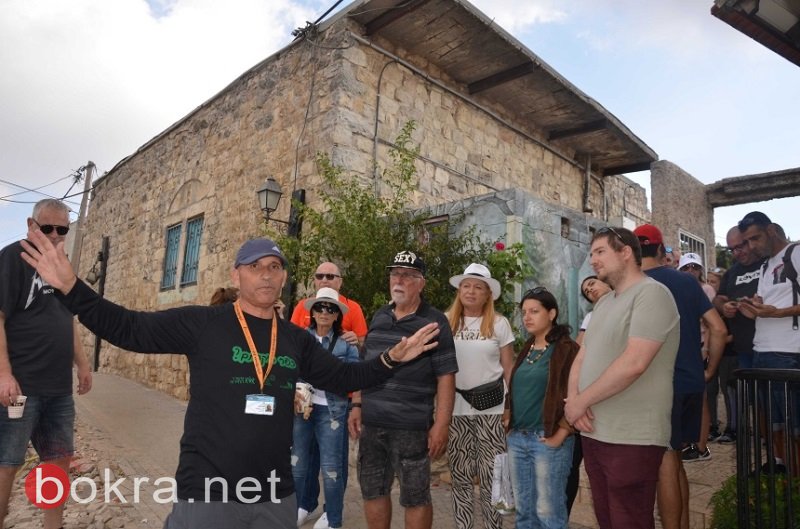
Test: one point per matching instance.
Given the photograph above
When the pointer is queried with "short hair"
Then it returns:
(49, 203)
(618, 238)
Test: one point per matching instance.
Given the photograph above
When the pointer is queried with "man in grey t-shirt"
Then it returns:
(620, 385)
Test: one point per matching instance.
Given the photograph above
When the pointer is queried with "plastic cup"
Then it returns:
(16, 408)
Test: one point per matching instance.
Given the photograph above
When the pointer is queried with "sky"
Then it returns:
(96, 79)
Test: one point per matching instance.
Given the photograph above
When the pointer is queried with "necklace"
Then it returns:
(539, 354)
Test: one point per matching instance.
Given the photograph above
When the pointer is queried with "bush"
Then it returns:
(724, 504)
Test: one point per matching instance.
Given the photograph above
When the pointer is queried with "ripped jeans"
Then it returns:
(326, 427)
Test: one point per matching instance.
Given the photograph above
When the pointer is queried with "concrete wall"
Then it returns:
(212, 162)
(680, 203)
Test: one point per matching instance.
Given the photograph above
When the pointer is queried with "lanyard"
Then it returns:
(262, 376)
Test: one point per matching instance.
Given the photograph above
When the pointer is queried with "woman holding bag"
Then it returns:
(485, 354)
(540, 440)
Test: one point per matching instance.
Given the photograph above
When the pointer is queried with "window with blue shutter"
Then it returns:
(171, 257)
(191, 255)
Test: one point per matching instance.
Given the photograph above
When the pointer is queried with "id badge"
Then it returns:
(259, 405)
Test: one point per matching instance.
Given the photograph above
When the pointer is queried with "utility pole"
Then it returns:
(75, 258)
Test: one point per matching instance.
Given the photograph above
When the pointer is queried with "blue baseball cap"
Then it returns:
(255, 249)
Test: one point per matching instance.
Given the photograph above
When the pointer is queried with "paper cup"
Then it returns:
(304, 390)
(16, 408)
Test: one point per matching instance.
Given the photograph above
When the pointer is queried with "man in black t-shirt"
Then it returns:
(38, 345)
(235, 464)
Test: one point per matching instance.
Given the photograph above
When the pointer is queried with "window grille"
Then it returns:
(171, 257)
(191, 255)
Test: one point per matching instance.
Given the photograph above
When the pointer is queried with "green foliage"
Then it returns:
(361, 230)
(724, 256)
(724, 504)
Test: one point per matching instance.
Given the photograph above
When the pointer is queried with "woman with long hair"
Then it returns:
(540, 441)
(484, 348)
(326, 418)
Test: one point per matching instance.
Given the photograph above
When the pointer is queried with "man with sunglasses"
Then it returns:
(620, 384)
(235, 467)
(38, 345)
(398, 430)
(354, 324)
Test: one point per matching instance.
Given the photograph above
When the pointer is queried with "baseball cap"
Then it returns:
(649, 235)
(408, 259)
(689, 258)
(254, 249)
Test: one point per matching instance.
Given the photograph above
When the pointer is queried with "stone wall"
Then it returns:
(680, 204)
(271, 122)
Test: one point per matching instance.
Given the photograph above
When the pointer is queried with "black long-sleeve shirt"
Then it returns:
(219, 439)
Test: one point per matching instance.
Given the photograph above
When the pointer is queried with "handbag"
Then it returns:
(484, 396)
(502, 492)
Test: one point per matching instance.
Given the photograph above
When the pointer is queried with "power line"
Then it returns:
(26, 190)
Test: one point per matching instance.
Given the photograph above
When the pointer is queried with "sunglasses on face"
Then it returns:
(323, 307)
(329, 277)
(692, 266)
(47, 229)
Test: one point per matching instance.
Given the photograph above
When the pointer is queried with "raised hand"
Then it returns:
(49, 261)
(416, 344)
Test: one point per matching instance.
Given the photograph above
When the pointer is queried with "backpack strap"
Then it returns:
(791, 274)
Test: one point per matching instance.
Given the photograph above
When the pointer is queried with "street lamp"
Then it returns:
(269, 195)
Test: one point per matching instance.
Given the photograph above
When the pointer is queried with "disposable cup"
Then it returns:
(304, 390)
(16, 408)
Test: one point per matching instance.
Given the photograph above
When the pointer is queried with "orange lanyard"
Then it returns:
(273, 345)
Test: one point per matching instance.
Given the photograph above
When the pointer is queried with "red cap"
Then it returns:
(649, 235)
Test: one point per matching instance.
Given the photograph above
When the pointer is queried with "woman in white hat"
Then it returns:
(325, 423)
(484, 348)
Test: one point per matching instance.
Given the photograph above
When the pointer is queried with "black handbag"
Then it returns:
(484, 396)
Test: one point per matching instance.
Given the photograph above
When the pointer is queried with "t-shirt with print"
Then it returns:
(776, 334)
(641, 413)
(219, 439)
(39, 329)
(406, 401)
(737, 282)
(479, 359)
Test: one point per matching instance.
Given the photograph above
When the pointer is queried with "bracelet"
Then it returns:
(355, 405)
(388, 361)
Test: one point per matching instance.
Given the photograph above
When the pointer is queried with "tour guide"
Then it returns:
(238, 425)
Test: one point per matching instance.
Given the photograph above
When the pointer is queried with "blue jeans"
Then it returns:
(48, 422)
(539, 478)
(327, 428)
(772, 360)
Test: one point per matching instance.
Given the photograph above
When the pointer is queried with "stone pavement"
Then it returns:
(134, 432)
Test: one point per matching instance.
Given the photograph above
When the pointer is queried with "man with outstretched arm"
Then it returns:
(234, 469)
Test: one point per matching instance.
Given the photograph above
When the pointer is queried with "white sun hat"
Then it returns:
(480, 272)
(326, 295)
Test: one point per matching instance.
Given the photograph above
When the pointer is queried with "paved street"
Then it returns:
(134, 431)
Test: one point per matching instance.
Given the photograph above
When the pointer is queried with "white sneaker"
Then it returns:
(302, 515)
(322, 523)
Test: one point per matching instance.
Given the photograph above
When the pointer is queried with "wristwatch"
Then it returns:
(388, 361)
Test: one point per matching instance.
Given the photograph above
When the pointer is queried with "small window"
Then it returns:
(171, 257)
(191, 255)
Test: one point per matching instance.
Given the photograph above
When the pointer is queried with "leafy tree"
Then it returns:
(361, 230)
(724, 256)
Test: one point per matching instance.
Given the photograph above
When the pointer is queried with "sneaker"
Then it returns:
(302, 516)
(727, 438)
(713, 435)
(322, 523)
(780, 468)
(692, 455)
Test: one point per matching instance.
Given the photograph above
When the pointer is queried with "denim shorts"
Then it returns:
(48, 423)
(384, 453)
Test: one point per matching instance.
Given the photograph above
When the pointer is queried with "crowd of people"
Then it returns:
(273, 401)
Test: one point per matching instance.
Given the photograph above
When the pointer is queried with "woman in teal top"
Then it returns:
(539, 438)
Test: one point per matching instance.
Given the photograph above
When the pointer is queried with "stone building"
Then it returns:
(503, 136)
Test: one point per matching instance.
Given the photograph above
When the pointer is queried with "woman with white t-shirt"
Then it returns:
(484, 348)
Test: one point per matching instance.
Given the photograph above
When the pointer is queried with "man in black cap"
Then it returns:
(776, 309)
(235, 469)
(396, 425)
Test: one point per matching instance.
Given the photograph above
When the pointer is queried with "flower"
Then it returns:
(499, 246)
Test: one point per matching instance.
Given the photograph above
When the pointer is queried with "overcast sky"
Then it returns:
(95, 79)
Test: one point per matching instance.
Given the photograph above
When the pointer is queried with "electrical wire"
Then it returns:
(26, 190)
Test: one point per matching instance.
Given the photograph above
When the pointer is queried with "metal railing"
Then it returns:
(768, 493)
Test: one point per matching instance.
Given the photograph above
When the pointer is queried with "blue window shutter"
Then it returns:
(191, 255)
(171, 257)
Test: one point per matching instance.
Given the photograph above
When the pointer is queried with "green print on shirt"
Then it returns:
(242, 356)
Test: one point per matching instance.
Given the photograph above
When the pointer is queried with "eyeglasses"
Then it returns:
(535, 291)
(738, 247)
(329, 277)
(607, 229)
(47, 229)
(403, 275)
(692, 266)
(325, 307)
